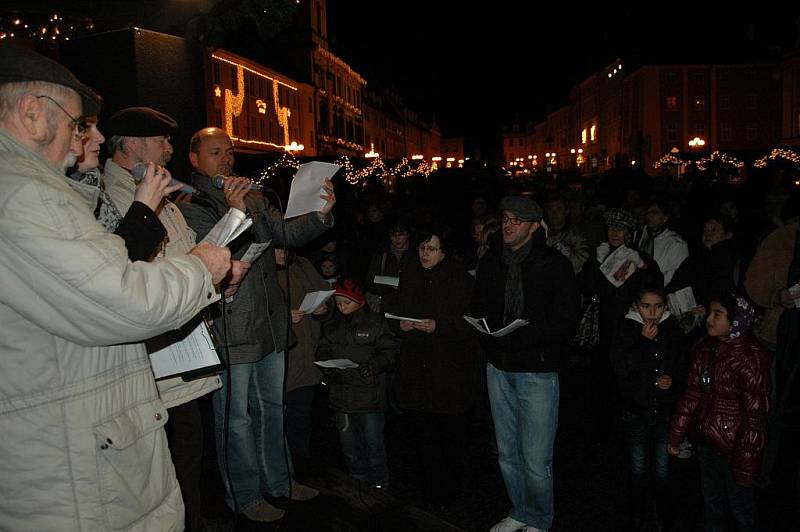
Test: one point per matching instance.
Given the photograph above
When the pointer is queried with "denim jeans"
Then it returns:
(525, 412)
(256, 460)
(722, 495)
(647, 445)
(361, 436)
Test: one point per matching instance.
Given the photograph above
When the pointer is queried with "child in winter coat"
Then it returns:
(725, 410)
(650, 357)
(358, 395)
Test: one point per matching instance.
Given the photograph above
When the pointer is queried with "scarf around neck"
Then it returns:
(514, 293)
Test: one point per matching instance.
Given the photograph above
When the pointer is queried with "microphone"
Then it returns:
(219, 182)
(139, 169)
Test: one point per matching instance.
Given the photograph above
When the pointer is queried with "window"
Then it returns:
(700, 129)
(699, 78)
(236, 126)
(751, 132)
(216, 73)
(724, 103)
(593, 133)
(751, 102)
(234, 80)
(671, 102)
(725, 132)
(671, 76)
(583, 136)
(699, 103)
(218, 117)
(672, 133)
(519, 142)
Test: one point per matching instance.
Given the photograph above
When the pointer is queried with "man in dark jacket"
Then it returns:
(525, 279)
(253, 331)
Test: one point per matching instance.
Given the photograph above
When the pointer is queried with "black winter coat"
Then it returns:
(551, 305)
(436, 372)
(639, 361)
(362, 336)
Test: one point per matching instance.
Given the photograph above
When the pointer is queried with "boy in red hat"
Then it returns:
(358, 395)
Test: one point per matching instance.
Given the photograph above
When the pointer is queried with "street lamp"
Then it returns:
(294, 147)
(371, 154)
(697, 143)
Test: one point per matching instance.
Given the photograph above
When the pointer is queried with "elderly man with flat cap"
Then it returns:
(523, 278)
(83, 445)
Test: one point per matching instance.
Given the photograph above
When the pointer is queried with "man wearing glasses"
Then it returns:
(525, 279)
(83, 445)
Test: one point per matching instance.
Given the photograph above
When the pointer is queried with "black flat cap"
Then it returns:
(140, 122)
(523, 208)
(21, 64)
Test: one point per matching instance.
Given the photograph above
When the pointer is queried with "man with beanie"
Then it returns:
(83, 445)
(525, 279)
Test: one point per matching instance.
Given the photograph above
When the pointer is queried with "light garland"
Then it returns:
(669, 159)
(286, 160)
(720, 157)
(45, 28)
(778, 153)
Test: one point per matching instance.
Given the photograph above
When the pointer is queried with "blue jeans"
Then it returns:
(525, 412)
(257, 461)
(361, 436)
(647, 444)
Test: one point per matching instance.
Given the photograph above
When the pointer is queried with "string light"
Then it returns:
(778, 153)
(720, 157)
(669, 159)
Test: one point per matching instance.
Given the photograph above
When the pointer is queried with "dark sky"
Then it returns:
(484, 66)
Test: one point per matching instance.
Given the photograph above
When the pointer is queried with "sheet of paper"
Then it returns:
(795, 293)
(387, 280)
(314, 299)
(194, 352)
(483, 327)
(230, 226)
(620, 265)
(395, 317)
(681, 301)
(306, 188)
(336, 363)
(254, 251)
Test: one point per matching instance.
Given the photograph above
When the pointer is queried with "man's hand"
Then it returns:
(154, 186)
(671, 449)
(236, 188)
(234, 278)
(406, 325)
(217, 260)
(425, 325)
(664, 382)
(320, 310)
(367, 370)
(297, 315)
(650, 330)
(328, 196)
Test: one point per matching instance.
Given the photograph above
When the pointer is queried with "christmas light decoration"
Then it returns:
(778, 153)
(720, 157)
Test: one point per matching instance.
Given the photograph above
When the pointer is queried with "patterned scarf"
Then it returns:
(514, 294)
(106, 212)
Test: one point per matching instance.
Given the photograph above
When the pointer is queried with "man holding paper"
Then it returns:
(253, 329)
(522, 278)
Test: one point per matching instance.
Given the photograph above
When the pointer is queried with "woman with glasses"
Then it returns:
(436, 370)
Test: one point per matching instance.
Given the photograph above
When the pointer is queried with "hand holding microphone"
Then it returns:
(155, 183)
(235, 189)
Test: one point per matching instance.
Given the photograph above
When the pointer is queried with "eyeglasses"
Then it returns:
(511, 221)
(427, 249)
(79, 124)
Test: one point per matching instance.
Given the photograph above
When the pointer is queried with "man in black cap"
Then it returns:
(135, 135)
(83, 444)
(525, 279)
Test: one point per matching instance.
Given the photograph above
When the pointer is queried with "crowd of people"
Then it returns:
(687, 323)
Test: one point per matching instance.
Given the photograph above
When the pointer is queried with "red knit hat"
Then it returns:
(350, 290)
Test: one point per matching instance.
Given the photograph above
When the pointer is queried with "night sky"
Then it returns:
(495, 63)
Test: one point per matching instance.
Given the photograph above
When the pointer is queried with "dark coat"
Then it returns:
(257, 317)
(551, 305)
(730, 414)
(639, 361)
(436, 372)
(362, 336)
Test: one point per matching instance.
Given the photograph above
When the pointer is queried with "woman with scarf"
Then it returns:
(724, 409)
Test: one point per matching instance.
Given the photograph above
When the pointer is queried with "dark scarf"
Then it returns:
(515, 295)
(105, 212)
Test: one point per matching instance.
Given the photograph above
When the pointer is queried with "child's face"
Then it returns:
(717, 323)
(327, 268)
(651, 307)
(346, 305)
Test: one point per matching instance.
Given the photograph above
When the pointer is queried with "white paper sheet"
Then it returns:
(681, 301)
(306, 188)
(795, 293)
(314, 299)
(395, 317)
(483, 327)
(254, 251)
(230, 226)
(387, 280)
(617, 260)
(336, 363)
(194, 352)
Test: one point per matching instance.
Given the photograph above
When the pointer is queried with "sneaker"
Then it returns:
(263, 512)
(509, 524)
(301, 492)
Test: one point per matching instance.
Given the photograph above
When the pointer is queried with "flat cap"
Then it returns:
(140, 122)
(19, 64)
(523, 208)
(621, 219)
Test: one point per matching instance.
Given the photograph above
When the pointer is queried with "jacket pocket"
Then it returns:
(134, 469)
